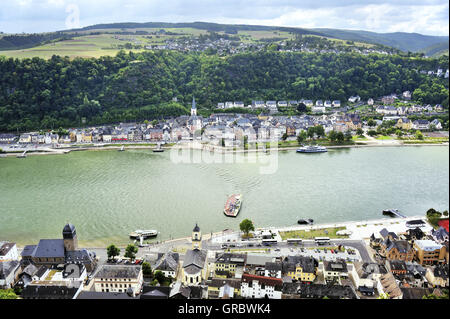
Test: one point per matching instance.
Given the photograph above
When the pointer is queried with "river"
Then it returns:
(108, 194)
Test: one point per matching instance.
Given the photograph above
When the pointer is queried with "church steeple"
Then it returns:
(196, 237)
(194, 107)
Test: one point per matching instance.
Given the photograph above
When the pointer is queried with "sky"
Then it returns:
(429, 17)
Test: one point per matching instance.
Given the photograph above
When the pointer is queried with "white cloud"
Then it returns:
(422, 16)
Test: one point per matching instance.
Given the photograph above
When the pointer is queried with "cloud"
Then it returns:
(421, 16)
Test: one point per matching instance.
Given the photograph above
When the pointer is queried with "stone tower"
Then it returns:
(196, 238)
(70, 238)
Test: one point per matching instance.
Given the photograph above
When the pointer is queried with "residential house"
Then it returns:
(8, 273)
(8, 251)
(366, 274)
(25, 139)
(317, 291)
(7, 138)
(397, 267)
(273, 269)
(334, 271)
(218, 287)
(327, 104)
(228, 265)
(168, 264)
(436, 124)
(438, 276)
(61, 291)
(258, 287)
(439, 235)
(336, 103)
(354, 99)
(404, 123)
(394, 249)
(421, 125)
(387, 284)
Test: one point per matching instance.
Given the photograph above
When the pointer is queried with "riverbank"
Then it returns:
(204, 147)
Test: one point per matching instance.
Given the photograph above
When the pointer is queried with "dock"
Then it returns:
(394, 212)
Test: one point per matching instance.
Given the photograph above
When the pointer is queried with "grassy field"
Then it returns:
(305, 234)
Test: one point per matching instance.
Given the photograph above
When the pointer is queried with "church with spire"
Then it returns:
(194, 107)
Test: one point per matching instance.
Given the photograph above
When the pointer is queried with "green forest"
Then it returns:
(60, 92)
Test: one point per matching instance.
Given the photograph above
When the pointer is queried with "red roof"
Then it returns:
(269, 281)
(444, 223)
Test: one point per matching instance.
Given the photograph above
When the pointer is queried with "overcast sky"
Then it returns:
(426, 16)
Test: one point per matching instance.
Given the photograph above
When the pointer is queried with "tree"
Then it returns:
(383, 296)
(112, 251)
(371, 123)
(419, 135)
(445, 213)
(372, 133)
(246, 226)
(311, 132)
(399, 133)
(8, 294)
(360, 131)
(301, 137)
(320, 131)
(284, 137)
(160, 277)
(130, 251)
(147, 269)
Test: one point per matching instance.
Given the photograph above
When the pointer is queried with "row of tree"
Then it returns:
(46, 94)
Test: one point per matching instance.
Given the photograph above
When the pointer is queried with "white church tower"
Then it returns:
(194, 107)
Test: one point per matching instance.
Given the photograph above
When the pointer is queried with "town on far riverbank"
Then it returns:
(392, 120)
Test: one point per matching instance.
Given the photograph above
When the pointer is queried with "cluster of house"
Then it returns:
(319, 106)
(230, 127)
(416, 262)
(408, 265)
(233, 46)
(193, 44)
(438, 73)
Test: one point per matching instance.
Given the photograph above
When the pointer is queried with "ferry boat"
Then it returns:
(144, 234)
(159, 149)
(233, 205)
(305, 221)
(23, 155)
(312, 149)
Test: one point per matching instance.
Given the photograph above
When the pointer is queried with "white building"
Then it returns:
(118, 278)
(258, 287)
(8, 251)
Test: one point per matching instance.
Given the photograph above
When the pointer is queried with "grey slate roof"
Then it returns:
(194, 261)
(7, 267)
(167, 262)
(118, 271)
(49, 248)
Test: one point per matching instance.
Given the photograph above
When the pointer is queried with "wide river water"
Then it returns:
(108, 194)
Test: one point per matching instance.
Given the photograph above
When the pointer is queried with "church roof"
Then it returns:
(196, 228)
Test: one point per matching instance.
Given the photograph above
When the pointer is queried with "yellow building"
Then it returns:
(226, 264)
(404, 124)
(300, 268)
(429, 252)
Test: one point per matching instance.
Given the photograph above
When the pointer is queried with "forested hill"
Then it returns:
(413, 42)
(39, 94)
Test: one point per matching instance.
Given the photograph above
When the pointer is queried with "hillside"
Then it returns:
(108, 39)
(413, 42)
(39, 94)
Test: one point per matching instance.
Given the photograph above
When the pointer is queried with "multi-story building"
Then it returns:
(300, 268)
(119, 278)
(229, 265)
(429, 252)
(258, 287)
